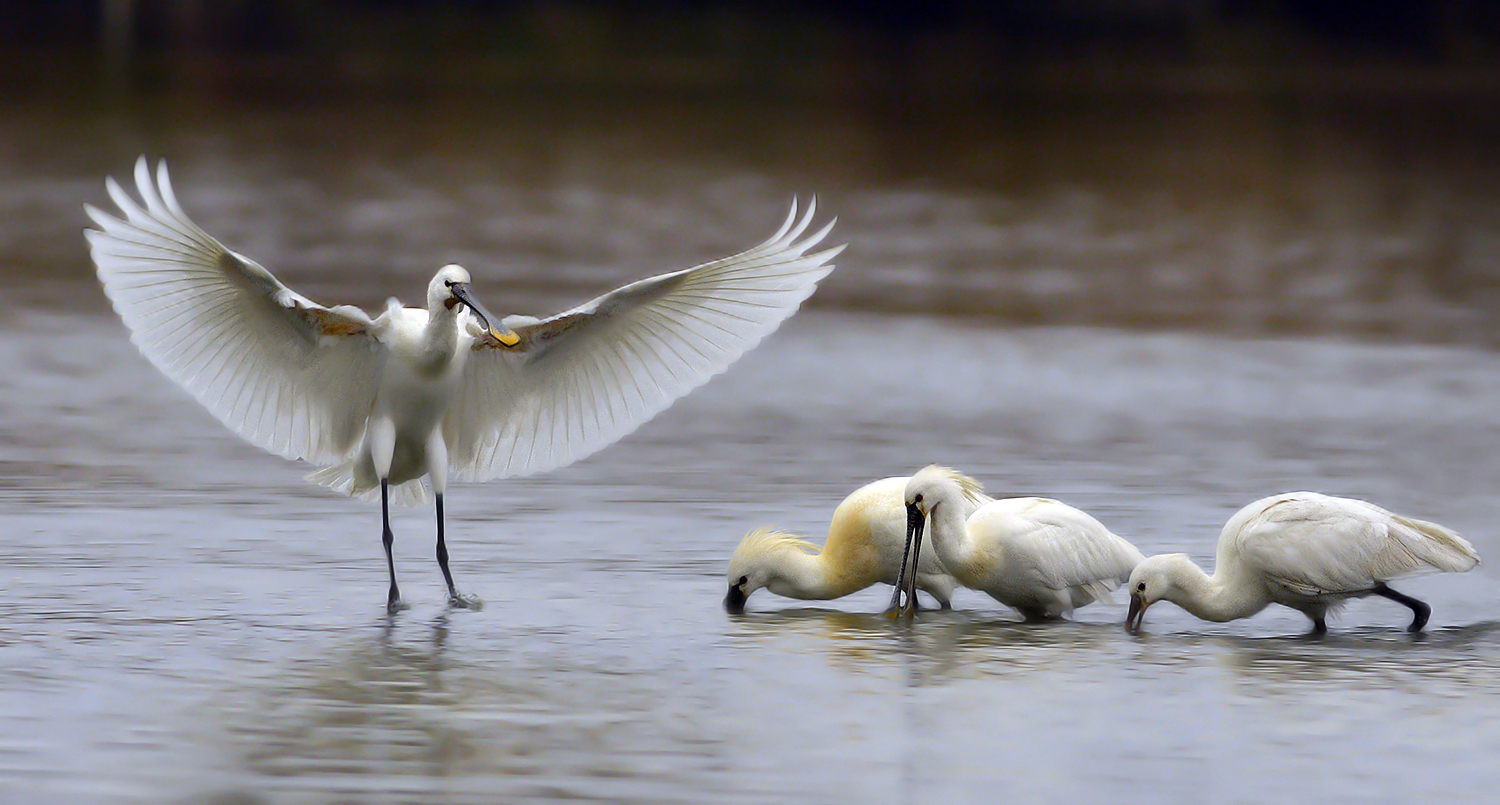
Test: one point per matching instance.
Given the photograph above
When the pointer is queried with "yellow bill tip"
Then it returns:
(506, 337)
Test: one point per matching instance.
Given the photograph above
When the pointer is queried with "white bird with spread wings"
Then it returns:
(380, 403)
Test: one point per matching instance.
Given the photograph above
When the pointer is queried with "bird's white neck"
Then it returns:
(440, 337)
(948, 531)
(795, 573)
(1219, 597)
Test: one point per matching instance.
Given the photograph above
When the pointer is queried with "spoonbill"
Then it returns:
(1037, 555)
(864, 546)
(1303, 550)
(381, 402)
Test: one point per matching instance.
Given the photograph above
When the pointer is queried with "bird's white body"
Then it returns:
(865, 546)
(420, 377)
(1304, 550)
(380, 404)
(1037, 555)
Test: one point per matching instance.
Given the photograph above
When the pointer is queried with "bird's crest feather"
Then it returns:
(972, 489)
(766, 541)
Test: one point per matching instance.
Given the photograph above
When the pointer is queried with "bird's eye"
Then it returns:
(743, 581)
(917, 499)
(448, 283)
(1141, 587)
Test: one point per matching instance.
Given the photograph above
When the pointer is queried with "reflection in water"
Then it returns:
(602, 667)
(367, 711)
(1458, 661)
(852, 641)
(936, 646)
(402, 711)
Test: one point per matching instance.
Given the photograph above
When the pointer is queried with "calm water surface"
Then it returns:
(185, 621)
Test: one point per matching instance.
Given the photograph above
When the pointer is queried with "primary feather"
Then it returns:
(584, 378)
(289, 375)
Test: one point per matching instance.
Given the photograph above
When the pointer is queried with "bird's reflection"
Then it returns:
(423, 698)
(1460, 659)
(372, 706)
(936, 645)
(949, 645)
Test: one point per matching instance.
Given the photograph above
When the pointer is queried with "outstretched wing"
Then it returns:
(584, 378)
(1315, 544)
(287, 374)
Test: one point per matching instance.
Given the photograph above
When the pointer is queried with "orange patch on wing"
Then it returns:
(334, 324)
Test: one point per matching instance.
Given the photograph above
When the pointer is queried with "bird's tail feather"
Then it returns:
(1445, 549)
(340, 478)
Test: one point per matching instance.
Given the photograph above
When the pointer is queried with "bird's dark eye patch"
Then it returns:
(917, 499)
(448, 283)
(743, 581)
(1141, 587)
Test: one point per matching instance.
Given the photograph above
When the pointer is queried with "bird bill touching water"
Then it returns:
(382, 403)
(865, 546)
(1306, 551)
(1038, 556)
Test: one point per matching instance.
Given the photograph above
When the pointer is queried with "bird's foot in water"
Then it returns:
(462, 601)
(395, 605)
(901, 612)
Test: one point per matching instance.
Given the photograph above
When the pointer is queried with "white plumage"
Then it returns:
(1041, 557)
(381, 402)
(866, 544)
(1307, 551)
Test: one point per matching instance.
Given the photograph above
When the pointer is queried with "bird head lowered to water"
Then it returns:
(757, 563)
(1151, 581)
(450, 288)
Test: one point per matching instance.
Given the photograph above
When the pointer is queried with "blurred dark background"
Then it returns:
(1265, 167)
(906, 49)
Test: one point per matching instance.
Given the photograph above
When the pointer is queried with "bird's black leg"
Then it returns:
(454, 599)
(1420, 611)
(393, 602)
(442, 553)
(1320, 626)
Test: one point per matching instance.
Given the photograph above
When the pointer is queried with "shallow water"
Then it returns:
(185, 620)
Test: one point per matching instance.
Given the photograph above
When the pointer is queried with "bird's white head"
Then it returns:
(1154, 579)
(935, 485)
(758, 562)
(450, 288)
(926, 491)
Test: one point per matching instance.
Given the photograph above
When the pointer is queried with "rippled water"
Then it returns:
(187, 621)
(184, 620)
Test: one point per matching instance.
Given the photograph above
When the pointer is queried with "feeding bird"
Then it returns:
(1303, 550)
(1036, 555)
(864, 547)
(381, 402)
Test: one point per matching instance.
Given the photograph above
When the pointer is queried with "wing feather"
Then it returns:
(1062, 547)
(290, 376)
(1316, 544)
(586, 377)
